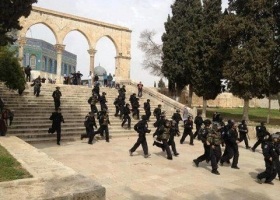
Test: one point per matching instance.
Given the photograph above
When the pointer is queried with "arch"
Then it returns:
(80, 31)
(61, 24)
(111, 38)
(24, 31)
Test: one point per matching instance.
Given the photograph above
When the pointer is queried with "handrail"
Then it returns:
(160, 97)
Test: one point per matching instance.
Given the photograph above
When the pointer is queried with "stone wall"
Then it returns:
(227, 100)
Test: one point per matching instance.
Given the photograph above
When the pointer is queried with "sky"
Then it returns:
(137, 15)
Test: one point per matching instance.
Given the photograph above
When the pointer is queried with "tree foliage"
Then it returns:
(10, 71)
(10, 12)
(249, 30)
(161, 84)
(207, 71)
(178, 48)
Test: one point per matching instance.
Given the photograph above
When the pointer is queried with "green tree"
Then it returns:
(249, 32)
(207, 73)
(161, 84)
(10, 71)
(10, 12)
(178, 48)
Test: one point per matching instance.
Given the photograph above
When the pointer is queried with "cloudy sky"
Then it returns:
(137, 15)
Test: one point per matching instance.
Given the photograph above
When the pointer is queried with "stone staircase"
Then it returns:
(31, 121)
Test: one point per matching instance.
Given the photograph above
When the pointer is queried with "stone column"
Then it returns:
(122, 67)
(21, 44)
(92, 53)
(59, 50)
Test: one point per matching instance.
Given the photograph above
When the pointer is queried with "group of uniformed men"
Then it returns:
(213, 134)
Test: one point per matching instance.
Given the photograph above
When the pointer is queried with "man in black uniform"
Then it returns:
(122, 92)
(121, 106)
(141, 128)
(96, 89)
(177, 117)
(89, 123)
(157, 112)
(103, 101)
(261, 133)
(56, 118)
(104, 122)
(27, 71)
(276, 141)
(147, 108)
(56, 97)
(202, 135)
(135, 109)
(159, 123)
(132, 98)
(231, 141)
(92, 101)
(174, 131)
(243, 131)
(198, 123)
(126, 117)
(270, 155)
(188, 126)
(116, 103)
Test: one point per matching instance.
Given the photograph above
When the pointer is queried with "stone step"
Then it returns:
(79, 122)
(65, 130)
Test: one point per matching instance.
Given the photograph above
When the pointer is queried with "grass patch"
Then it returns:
(256, 115)
(10, 168)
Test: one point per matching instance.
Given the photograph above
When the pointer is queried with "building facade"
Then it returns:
(41, 57)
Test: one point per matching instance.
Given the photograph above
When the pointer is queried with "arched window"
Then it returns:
(69, 69)
(65, 69)
(50, 65)
(32, 62)
(44, 62)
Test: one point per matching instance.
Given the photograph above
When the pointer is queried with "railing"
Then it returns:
(160, 97)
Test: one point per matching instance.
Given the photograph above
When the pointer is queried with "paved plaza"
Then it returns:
(126, 177)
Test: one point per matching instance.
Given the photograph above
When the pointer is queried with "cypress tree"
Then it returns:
(177, 42)
(207, 73)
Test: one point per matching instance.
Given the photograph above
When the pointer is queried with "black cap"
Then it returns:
(144, 117)
(207, 122)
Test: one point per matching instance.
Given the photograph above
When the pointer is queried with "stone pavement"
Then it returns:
(126, 177)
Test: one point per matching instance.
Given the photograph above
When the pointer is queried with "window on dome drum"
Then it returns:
(33, 62)
(69, 70)
(44, 63)
(65, 69)
(50, 65)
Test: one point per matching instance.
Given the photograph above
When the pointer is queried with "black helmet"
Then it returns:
(207, 122)
(144, 117)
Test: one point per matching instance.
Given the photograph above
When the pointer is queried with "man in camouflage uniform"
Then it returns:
(215, 141)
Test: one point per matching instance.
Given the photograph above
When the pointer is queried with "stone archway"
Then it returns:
(61, 24)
